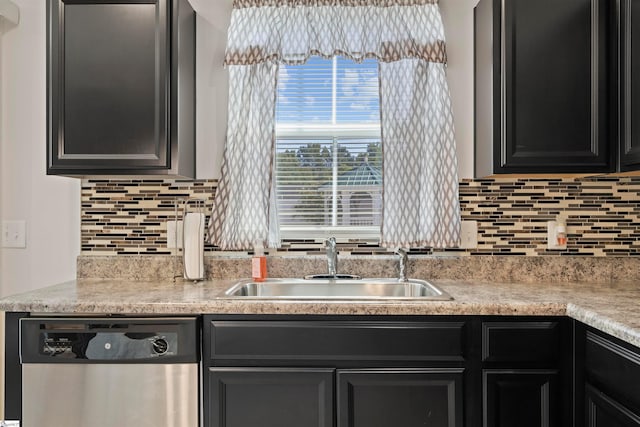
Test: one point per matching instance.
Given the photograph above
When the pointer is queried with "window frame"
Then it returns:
(328, 131)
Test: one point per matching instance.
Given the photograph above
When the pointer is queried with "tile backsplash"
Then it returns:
(128, 217)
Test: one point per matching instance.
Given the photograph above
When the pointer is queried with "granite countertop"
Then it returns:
(611, 307)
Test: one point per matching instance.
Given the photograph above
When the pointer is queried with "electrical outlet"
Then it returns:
(14, 234)
(174, 239)
(556, 235)
(468, 234)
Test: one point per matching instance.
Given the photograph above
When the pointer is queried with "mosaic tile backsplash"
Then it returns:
(128, 217)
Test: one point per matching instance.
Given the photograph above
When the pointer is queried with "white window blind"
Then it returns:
(328, 149)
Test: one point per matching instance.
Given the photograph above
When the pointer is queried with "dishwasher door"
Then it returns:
(109, 372)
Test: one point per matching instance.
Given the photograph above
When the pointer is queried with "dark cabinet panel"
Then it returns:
(324, 341)
(523, 398)
(602, 411)
(12, 367)
(270, 397)
(121, 78)
(543, 92)
(630, 85)
(396, 397)
(614, 368)
(110, 61)
(521, 342)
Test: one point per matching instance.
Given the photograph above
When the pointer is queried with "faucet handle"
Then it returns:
(402, 263)
(332, 256)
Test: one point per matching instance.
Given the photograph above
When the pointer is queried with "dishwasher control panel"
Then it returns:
(108, 345)
(53, 346)
(108, 340)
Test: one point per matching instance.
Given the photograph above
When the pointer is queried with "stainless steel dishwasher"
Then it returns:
(109, 372)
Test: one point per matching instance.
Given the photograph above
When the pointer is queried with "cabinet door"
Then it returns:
(400, 397)
(108, 85)
(614, 367)
(543, 92)
(270, 397)
(523, 398)
(602, 411)
(630, 85)
(556, 95)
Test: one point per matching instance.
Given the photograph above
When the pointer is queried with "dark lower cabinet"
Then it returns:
(271, 397)
(603, 411)
(337, 371)
(304, 397)
(609, 380)
(522, 398)
(400, 397)
(387, 371)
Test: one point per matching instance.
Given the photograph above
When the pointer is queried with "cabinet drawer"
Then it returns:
(520, 341)
(337, 340)
(614, 368)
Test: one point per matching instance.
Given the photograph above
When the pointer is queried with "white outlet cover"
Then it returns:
(14, 234)
(552, 242)
(468, 234)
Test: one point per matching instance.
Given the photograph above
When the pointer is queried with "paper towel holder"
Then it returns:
(192, 239)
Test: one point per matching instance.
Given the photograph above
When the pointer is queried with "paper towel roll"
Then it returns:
(193, 245)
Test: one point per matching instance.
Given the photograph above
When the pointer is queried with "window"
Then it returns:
(328, 149)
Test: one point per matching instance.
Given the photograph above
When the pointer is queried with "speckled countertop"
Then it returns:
(611, 307)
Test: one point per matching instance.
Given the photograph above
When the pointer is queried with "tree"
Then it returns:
(304, 170)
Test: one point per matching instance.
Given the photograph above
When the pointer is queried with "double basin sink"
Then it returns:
(336, 288)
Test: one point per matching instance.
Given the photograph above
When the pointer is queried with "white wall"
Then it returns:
(211, 85)
(458, 25)
(49, 205)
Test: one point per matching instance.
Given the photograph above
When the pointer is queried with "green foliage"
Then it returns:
(304, 170)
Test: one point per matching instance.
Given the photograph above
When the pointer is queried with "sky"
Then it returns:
(305, 92)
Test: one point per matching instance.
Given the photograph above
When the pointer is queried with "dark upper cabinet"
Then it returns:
(630, 85)
(544, 98)
(121, 87)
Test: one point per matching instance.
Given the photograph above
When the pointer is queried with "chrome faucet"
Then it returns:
(403, 260)
(332, 256)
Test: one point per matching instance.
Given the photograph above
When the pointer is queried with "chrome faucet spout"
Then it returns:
(403, 260)
(332, 256)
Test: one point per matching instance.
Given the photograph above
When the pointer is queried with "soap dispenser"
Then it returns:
(258, 263)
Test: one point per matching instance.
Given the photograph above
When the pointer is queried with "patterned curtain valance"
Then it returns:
(290, 31)
(241, 4)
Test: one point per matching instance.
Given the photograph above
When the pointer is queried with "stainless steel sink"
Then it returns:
(337, 289)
